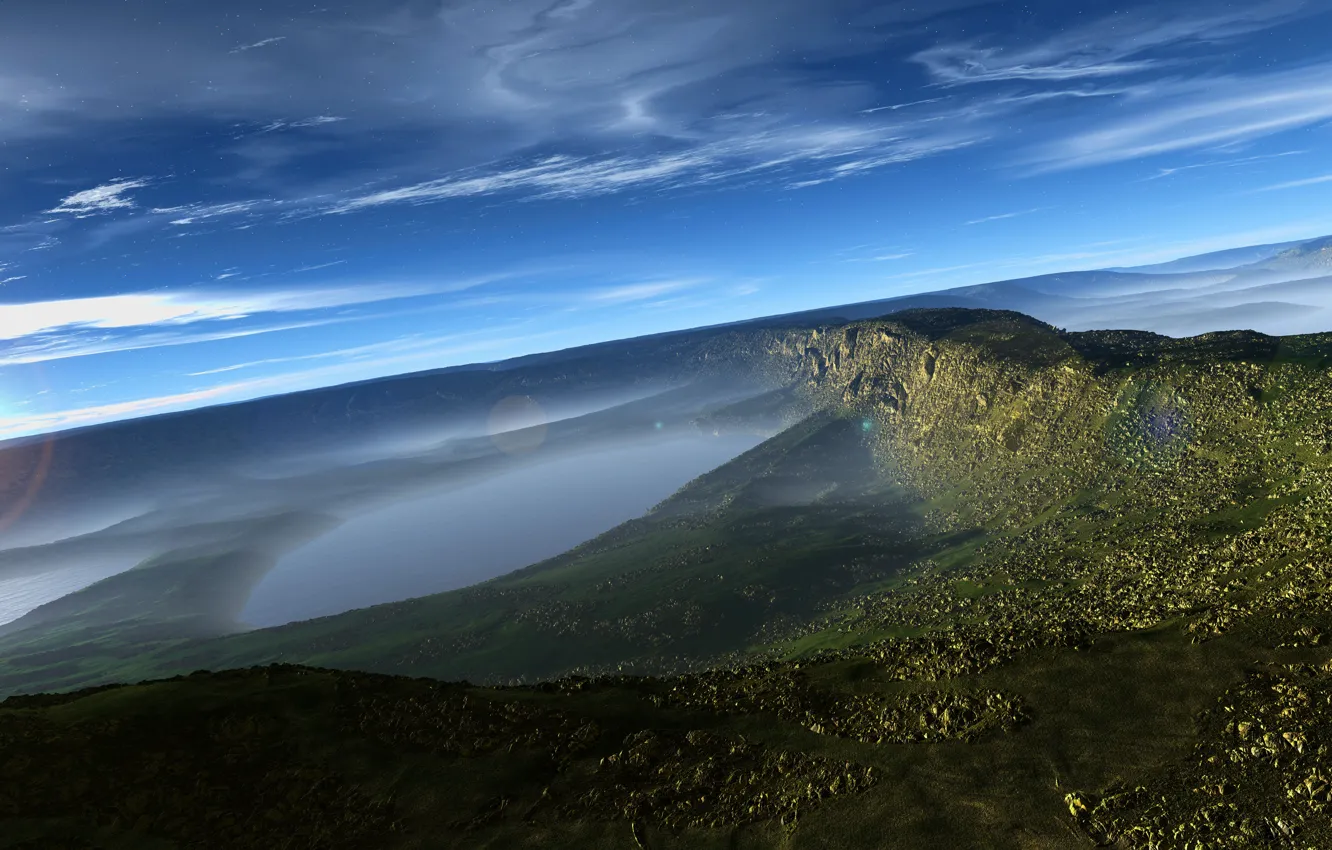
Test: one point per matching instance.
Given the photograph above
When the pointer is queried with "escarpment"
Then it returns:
(1010, 416)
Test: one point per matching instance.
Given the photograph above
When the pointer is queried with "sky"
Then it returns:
(202, 203)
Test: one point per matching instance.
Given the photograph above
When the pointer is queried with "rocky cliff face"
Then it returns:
(1008, 416)
(953, 414)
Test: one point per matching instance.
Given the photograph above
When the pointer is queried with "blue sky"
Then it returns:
(201, 203)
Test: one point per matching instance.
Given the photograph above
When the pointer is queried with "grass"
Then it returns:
(1120, 709)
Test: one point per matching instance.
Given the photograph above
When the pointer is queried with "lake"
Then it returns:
(20, 594)
(451, 538)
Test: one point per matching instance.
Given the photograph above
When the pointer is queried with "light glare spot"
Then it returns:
(517, 425)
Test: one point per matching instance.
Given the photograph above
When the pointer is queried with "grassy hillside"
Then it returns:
(1005, 586)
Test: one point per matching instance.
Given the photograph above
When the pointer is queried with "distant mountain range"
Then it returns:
(1278, 289)
(1214, 260)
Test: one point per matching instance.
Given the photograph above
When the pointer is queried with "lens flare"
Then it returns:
(1151, 427)
(24, 466)
(517, 425)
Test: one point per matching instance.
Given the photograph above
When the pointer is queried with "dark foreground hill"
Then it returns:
(1004, 586)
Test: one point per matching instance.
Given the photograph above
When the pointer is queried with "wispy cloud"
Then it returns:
(969, 64)
(100, 199)
(262, 43)
(1223, 163)
(1111, 46)
(553, 177)
(46, 243)
(861, 162)
(938, 270)
(995, 104)
(236, 367)
(149, 309)
(193, 213)
(1198, 114)
(837, 151)
(871, 253)
(1297, 184)
(639, 291)
(1002, 216)
(57, 329)
(12, 279)
(16, 426)
(316, 268)
(896, 106)
(316, 121)
(881, 258)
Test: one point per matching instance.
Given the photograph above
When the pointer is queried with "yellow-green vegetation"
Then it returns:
(785, 692)
(1002, 586)
(702, 779)
(1259, 775)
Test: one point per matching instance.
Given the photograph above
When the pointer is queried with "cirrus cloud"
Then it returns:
(1198, 114)
(105, 198)
(1112, 46)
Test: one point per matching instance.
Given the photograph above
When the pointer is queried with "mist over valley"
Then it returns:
(469, 533)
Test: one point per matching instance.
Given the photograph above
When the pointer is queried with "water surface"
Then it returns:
(21, 594)
(452, 538)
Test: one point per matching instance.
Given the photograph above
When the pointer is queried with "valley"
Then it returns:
(998, 580)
